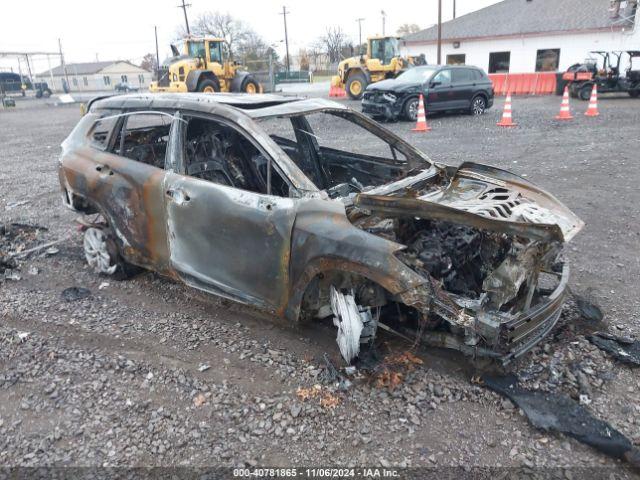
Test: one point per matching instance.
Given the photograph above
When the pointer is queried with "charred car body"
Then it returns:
(268, 201)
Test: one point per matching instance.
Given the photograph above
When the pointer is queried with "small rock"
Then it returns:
(295, 410)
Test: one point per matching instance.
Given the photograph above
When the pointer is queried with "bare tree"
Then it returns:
(407, 28)
(253, 51)
(334, 40)
(222, 25)
(149, 62)
(303, 59)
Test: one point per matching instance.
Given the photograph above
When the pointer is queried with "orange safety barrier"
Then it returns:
(541, 83)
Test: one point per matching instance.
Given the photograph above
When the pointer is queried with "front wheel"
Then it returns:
(634, 93)
(410, 110)
(208, 86)
(478, 105)
(356, 83)
(250, 85)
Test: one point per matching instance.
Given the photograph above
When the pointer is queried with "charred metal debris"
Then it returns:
(559, 413)
(466, 258)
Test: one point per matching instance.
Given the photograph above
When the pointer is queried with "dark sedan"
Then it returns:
(444, 88)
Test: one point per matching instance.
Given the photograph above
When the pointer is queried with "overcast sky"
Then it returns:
(123, 29)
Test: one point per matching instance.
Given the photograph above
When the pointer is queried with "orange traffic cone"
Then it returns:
(565, 111)
(592, 111)
(421, 121)
(506, 120)
(335, 91)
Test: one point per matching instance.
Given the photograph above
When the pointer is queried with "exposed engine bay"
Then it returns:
(485, 266)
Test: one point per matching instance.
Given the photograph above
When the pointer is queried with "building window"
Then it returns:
(547, 60)
(456, 59)
(75, 82)
(85, 81)
(107, 80)
(499, 62)
(123, 78)
(141, 79)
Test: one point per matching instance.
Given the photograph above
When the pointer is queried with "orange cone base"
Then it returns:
(502, 123)
(591, 114)
(421, 128)
(564, 117)
(337, 92)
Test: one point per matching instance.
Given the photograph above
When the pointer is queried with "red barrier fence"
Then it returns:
(542, 83)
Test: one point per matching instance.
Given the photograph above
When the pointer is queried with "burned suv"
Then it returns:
(269, 201)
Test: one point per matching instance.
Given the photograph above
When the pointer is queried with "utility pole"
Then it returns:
(286, 37)
(186, 20)
(454, 8)
(360, 20)
(384, 16)
(64, 65)
(439, 32)
(26, 57)
(155, 30)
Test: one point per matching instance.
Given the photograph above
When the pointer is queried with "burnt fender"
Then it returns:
(236, 81)
(324, 241)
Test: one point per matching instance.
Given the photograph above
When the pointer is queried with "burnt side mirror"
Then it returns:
(434, 83)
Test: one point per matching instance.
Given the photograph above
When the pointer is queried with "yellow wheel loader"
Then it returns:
(381, 61)
(202, 68)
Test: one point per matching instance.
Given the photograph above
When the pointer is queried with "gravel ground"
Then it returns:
(149, 372)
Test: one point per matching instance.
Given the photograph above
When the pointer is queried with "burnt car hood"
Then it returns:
(484, 197)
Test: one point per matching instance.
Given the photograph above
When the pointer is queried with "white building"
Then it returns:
(95, 76)
(526, 36)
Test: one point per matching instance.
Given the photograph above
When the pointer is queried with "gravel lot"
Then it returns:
(149, 372)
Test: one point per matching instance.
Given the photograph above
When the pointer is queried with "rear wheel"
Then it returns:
(410, 110)
(356, 83)
(101, 253)
(478, 105)
(208, 86)
(250, 85)
(585, 92)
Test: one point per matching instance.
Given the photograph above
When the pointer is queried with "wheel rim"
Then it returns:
(478, 106)
(97, 253)
(356, 87)
(251, 88)
(208, 89)
(413, 109)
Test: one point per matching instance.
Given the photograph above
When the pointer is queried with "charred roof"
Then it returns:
(256, 106)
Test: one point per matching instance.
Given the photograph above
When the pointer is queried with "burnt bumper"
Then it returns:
(508, 339)
(521, 334)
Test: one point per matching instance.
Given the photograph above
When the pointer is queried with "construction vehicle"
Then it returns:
(381, 61)
(202, 67)
(606, 75)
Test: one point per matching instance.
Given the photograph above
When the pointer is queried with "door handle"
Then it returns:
(178, 196)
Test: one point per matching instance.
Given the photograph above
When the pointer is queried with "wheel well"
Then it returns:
(409, 98)
(316, 295)
(357, 71)
(208, 76)
(480, 94)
